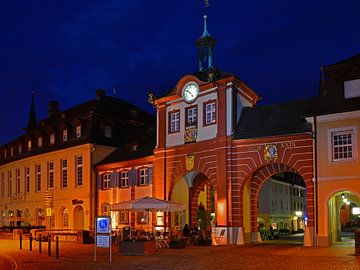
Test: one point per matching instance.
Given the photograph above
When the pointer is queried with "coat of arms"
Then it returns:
(189, 162)
(270, 153)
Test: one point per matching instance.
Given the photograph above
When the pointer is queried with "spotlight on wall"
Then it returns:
(343, 196)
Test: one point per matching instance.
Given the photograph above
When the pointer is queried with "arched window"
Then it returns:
(64, 217)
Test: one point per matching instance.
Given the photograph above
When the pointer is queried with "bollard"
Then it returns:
(57, 247)
(39, 243)
(31, 239)
(20, 240)
(49, 245)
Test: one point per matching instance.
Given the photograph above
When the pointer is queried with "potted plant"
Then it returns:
(204, 222)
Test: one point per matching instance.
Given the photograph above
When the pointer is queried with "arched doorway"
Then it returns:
(196, 191)
(343, 217)
(295, 203)
(27, 217)
(64, 217)
(39, 217)
(281, 208)
(78, 217)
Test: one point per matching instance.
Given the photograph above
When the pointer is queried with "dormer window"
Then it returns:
(20, 148)
(78, 131)
(29, 145)
(65, 135)
(352, 88)
(40, 142)
(52, 138)
(134, 147)
(107, 131)
(12, 151)
(5, 154)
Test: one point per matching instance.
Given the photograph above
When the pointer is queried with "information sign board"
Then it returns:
(103, 224)
(103, 241)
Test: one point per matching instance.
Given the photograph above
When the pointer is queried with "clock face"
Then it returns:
(190, 92)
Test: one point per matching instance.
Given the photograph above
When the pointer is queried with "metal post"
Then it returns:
(57, 247)
(39, 243)
(49, 245)
(31, 239)
(20, 240)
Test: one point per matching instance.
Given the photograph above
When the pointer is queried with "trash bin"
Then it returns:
(357, 243)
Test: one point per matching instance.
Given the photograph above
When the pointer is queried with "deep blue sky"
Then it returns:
(65, 50)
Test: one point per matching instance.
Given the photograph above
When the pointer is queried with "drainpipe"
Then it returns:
(316, 182)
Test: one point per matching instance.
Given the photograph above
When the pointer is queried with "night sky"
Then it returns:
(65, 50)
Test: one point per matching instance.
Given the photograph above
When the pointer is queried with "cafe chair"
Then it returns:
(218, 238)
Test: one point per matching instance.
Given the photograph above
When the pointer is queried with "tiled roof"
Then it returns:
(277, 119)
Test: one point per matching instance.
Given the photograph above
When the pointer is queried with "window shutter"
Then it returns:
(98, 181)
(149, 176)
(113, 180)
(132, 180)
(135, 177)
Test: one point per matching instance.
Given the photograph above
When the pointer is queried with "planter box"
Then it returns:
(137, 248)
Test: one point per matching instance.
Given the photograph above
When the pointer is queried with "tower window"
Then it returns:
(174, 121)
(191, 116)
(209, 113)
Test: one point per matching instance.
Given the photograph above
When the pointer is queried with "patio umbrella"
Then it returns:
(148, 204)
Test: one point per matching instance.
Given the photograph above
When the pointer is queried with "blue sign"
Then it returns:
(103, 224)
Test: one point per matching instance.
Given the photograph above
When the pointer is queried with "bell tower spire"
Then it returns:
(32, 114)
(205, 44)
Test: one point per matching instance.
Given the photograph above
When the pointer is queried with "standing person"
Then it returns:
(186, 230)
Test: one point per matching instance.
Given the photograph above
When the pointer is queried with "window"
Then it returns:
(106, 181)
(27, 179)
(64, 173)
(38, 178)
(9, 182)
(124, 217)
(79, 171)
(141, 218)
(2, 187)
(18, 181)
(124, 179)
(210, 113)
(174, 121)
(78, 131)
(52, 138)
(29, 145)
(20, 148)
(342, 144)
(5, 154)
(65, 217)
(40, 142)
(65, 135)
(12, 151)
(107, 131)
(143, 175)
(51, 174)
(191, 116)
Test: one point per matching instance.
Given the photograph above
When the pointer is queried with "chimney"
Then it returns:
(53, 108)
(100, 93)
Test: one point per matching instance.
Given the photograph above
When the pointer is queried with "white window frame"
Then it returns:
(191, 116)
(124, 178)
(65, 135)
(79, 171)
(18, 181)
(174, 122)
(106, 180)
(210, 113)
(27, 179)
(40, 142)
(38, 178)
(78, 131)
(50, 174)
(143, 175)
(330, 135)
(52, 138)
(64, 173)
(107, 131)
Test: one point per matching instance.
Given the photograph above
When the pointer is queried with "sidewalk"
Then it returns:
(80, 257)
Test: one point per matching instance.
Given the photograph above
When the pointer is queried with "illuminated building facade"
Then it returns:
(336, 128)
(47, 175)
